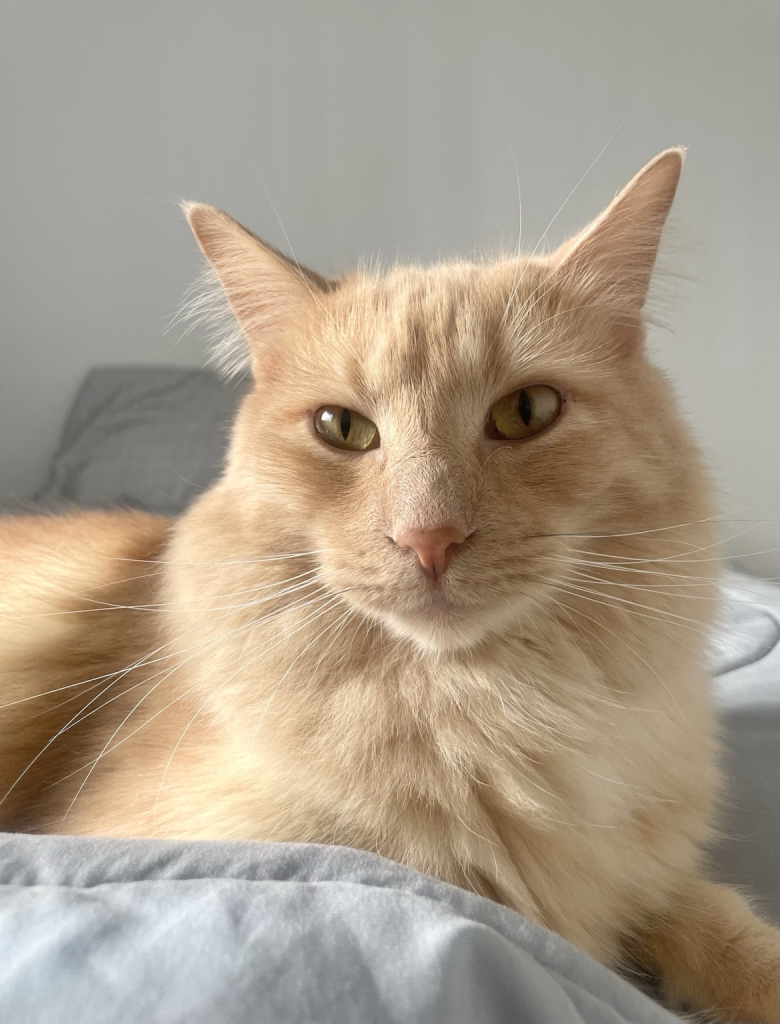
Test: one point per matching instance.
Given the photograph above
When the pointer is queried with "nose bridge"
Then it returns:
(430, 489)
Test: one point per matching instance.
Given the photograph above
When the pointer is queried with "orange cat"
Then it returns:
(447, 603)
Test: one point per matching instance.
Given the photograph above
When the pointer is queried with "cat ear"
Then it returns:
(268, 294)
(613, 258)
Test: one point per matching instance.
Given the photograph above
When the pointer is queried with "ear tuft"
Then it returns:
(267, 294)
(613, 258)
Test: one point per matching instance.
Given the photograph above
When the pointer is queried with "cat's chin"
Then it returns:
(447, 631)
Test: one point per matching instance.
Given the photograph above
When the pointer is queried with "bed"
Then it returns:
(95, 930)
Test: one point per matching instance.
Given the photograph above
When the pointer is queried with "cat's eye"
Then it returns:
(524, 413)
(345, 428)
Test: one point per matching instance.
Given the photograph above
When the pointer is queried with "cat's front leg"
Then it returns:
(711, 953)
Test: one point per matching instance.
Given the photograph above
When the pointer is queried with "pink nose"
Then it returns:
(434, 548)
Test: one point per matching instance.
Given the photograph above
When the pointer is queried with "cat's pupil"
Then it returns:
(344, 423)
(524, 407)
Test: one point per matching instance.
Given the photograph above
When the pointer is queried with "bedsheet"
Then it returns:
(95, 931)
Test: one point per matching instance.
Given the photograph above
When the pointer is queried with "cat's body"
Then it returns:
(529, 717)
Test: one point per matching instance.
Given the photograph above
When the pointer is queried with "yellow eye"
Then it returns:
(524, 413)
(344, 428)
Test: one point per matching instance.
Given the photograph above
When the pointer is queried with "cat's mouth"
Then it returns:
(451, 613)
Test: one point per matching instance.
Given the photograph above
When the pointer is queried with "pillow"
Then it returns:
(146, 437)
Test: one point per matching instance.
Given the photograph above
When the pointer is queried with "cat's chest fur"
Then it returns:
(528, 777)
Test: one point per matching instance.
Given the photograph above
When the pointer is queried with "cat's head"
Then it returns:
(438, 434)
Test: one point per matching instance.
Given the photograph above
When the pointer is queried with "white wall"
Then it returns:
(380, 127)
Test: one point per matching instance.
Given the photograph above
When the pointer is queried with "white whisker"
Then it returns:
(105, 749)
(243, 667)
(143, 662)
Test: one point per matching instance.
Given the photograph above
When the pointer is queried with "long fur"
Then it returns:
(535, 725)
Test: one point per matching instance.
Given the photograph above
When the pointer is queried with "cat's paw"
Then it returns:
(751, 988)
(714, 957)
(763, 1005)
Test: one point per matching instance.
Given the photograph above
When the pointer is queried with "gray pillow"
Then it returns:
(148, 437)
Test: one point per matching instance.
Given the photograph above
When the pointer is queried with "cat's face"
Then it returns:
(492, 412)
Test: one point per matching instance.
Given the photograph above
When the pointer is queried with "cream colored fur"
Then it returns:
(535, 726)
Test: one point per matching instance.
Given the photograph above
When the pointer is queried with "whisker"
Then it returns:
(654, 589)
(143, 662)
(676, 559)
(106, 749)
(203, 705)
(57, 689)
(302, 275)
(188, 601)
(662, 529)
(676, 639)
(107, 606)
(228, 561)
(636, 653)
(617, 567)
(553, 220)
(659, 615)
(668, 615)
(292, 664)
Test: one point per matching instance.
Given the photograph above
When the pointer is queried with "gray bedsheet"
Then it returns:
(746, 683)
(95, 931)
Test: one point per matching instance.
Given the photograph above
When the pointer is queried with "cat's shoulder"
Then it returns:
(46, 555)
(76, 534)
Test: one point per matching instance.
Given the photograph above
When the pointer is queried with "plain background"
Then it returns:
(388, 128)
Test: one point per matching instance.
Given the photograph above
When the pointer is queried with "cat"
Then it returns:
(449, 603)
